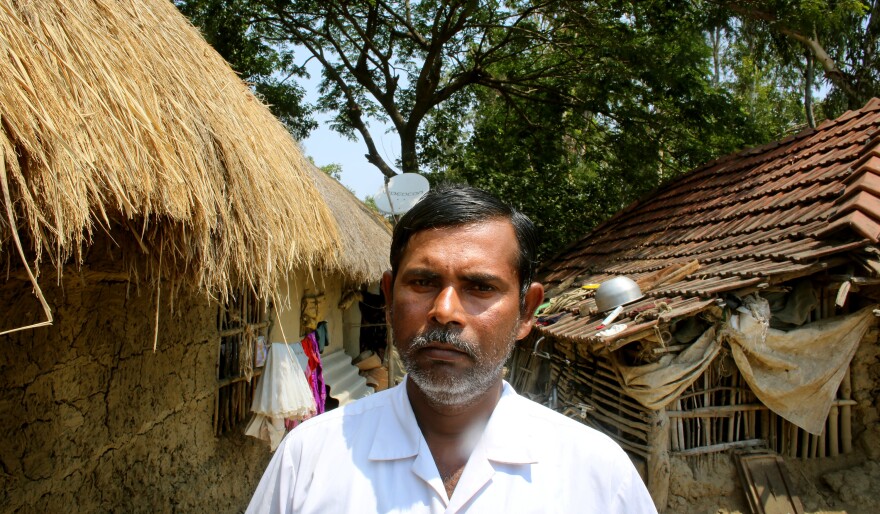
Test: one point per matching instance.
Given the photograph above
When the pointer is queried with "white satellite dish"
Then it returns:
(401, 193)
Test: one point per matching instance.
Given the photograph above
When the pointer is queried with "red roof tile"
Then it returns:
(754, 218)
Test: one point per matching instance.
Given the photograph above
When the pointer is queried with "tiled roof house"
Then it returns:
(785, 235)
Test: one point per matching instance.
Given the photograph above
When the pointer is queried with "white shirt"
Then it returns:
(370, 456)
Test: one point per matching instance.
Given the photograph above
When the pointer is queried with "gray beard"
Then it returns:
(451, 390)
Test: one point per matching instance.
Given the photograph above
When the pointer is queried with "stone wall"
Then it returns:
(93, 420)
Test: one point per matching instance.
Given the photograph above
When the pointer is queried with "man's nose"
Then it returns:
(447, 307)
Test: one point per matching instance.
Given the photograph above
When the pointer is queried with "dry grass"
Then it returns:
(366, 237)
(115, 114)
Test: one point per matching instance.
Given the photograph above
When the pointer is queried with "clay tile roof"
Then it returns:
(758, 217)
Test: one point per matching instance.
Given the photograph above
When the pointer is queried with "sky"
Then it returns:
(328, 147)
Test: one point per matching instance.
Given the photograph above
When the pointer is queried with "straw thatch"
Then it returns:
(116, 115)
(366, 236)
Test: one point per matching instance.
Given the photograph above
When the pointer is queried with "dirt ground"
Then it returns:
(844, 485)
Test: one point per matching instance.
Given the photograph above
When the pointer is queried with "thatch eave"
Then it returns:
(118, 114)
(366, 237)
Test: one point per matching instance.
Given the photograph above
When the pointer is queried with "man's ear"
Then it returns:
(534, 297)
(387, 290)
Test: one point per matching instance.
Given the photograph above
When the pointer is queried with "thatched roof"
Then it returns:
(117, 115)
(366, 237)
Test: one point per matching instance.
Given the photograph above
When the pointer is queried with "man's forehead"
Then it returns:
(493, 235)
(496, 224)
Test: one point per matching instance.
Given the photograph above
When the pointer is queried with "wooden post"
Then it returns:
(846, 413)
(805, 444)
(680, 426)
(765, 426)
(658, 458)
(833, 437)
(793, 439)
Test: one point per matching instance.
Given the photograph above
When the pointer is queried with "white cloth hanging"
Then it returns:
(282, 393)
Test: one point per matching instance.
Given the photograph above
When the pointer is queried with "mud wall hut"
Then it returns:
(757, 329)
(151, 208)
(337, 297)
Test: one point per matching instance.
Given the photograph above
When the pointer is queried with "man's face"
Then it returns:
(455, 308)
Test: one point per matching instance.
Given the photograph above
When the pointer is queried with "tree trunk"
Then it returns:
(808, 90)
(716, 55)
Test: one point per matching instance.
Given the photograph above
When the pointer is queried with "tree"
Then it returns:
(839, 35)
(648, 108)
(395, 60)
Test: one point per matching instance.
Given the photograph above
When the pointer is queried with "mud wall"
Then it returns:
(93, 420)
(865, 371)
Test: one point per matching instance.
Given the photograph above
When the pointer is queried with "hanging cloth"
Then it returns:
(283, 392)
(315, 372)
(321, 334)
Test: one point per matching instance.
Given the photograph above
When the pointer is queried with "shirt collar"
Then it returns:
(398, 435)
(509, 437)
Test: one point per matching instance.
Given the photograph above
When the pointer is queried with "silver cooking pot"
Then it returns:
(616, 292)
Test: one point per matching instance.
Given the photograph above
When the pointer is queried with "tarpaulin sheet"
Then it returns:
(655, 385)
(797, 373)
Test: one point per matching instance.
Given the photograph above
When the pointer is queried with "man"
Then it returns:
(453, 437)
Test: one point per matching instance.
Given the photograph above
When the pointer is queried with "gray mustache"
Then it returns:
(444, 336)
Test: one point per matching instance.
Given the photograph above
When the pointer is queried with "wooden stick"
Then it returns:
(805, 443)
(774, 435)
(833, 437)
(751, 425)
(717, 411)
(721, 447)
(216, 412)
(846, 413)
(765, 424)
(680, 425)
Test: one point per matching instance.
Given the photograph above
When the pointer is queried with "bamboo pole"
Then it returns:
(702, 450)
(717, 411)
(680, 425)
(774, 439)
(732, 395)
(833, 435)
(765, 425)
(216, 412)
(658, 467)
(846, 413)
(786, 434)
(805, 443)
(707, 402)
(751, 425)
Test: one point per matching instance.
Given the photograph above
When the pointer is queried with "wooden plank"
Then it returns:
(721, 447)
(766, 484)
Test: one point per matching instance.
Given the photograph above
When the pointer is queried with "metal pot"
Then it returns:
(616, 292)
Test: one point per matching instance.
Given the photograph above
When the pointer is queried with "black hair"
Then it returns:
(453, 205)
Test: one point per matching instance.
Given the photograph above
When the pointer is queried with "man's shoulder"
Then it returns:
(557, 429)
(366, 406)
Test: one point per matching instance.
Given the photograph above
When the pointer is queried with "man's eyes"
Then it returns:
(427, 283)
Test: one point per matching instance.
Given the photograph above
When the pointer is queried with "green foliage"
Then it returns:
(841, 35)
(568, 109)
(639, 109)
(250, 53)
(333, 169)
